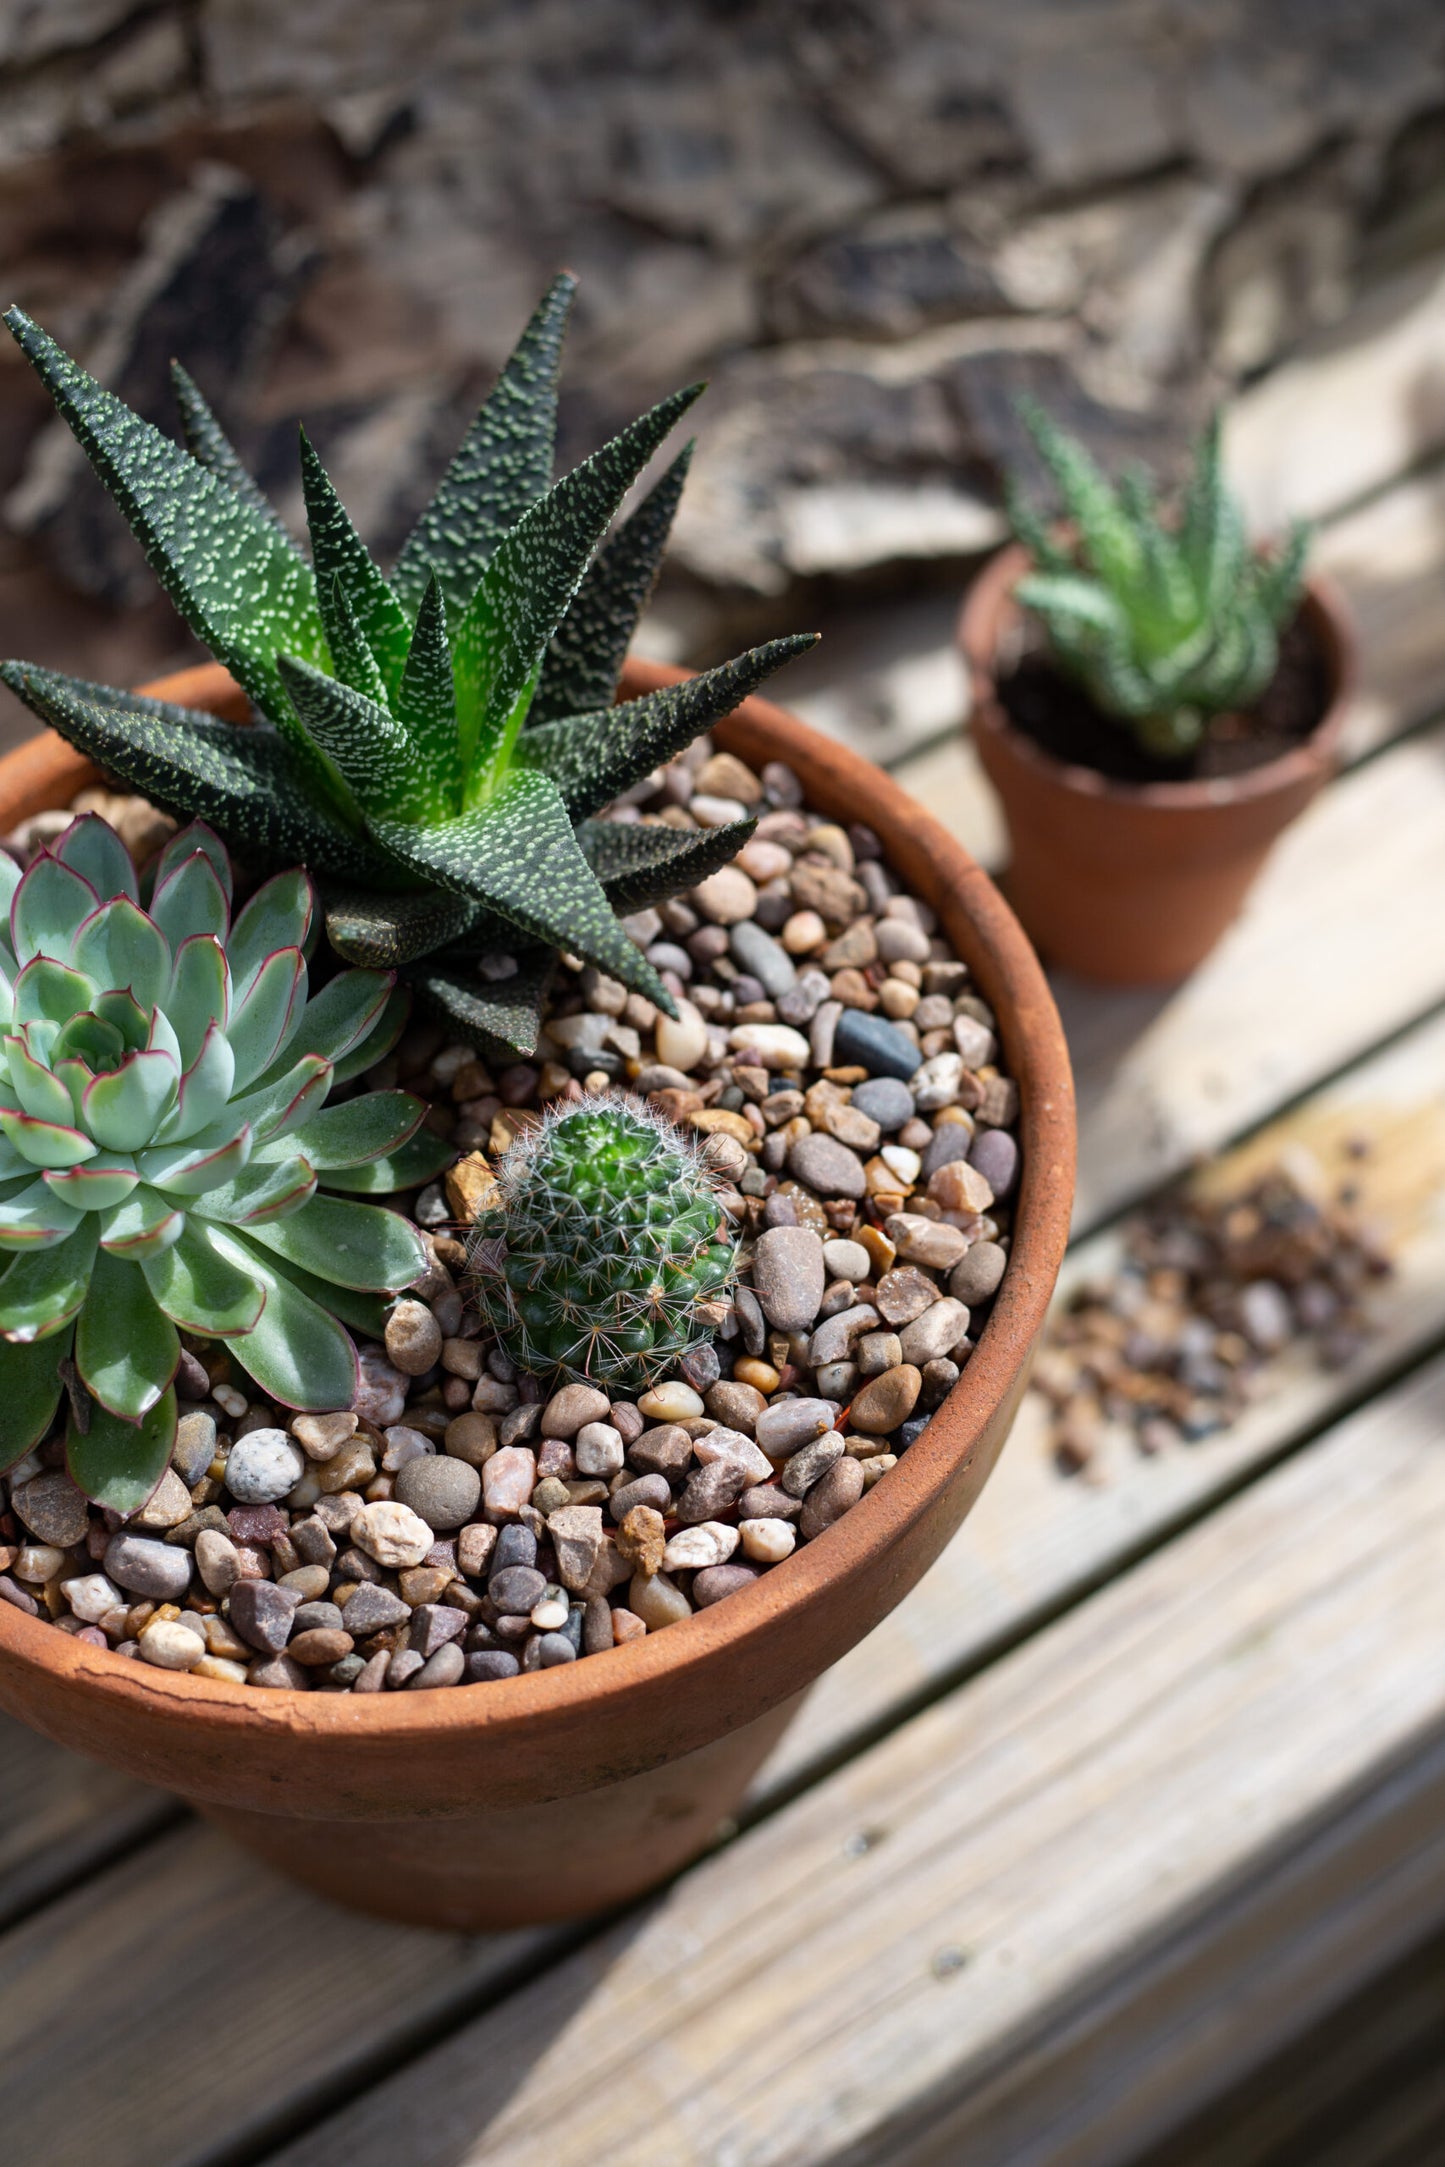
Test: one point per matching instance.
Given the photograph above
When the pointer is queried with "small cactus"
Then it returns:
(604, 1236)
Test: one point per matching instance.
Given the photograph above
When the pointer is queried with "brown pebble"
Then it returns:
(830, 1497)
(716, 1582)
(322, 1646)
(886, 1401)
(642, 1538)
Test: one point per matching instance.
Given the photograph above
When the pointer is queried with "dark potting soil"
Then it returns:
(1048, 706)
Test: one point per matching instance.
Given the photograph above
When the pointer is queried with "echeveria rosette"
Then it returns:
(164, 1134)
(435, 745)
(1164, 623)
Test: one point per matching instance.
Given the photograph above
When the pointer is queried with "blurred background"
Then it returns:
(869, 222)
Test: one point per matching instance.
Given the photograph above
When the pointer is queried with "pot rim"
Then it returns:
(1038, 1059)
(989, 610)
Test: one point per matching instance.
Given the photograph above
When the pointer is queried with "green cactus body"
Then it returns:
(163, 1138)
(606, 1236)
(1165, 623)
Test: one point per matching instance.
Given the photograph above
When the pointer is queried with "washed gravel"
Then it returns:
(462, 1522)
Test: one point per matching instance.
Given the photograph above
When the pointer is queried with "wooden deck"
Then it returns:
(1105, 1838)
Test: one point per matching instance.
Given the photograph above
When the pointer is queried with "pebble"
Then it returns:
(217, 1561)
(978, 1274)
(803, 1469)
(576, 1531)
(413, 1338)
(837, 1335)
(875, 1044)
(789, 1276)
(934, 1242)
(766, 1541)
(711, 1542)
(262, 1613)
(936, 1332)
(381, 1395)
(937, 1083)
(887, 1401)
(763, 958)
(392, 1533)
(682, 1040)
(508, 1480)
(885, 1100)
(93, 1596)
(959, 1186)
(716, 1582)
(53, 1509)
(671, 1401)
(775, 1045)
(599, 1450)
(263, 1467)
(658, 1601)
(666, 1450)
(158, 1571)
(738, 1450)
(740, 1399)
(725, 898)
(789, 1424)
(831, 1495)
(170, 1645)
(446, 1667)
(642, 1538)
(321, 1437)
(442, 1491)
(195, 1446)
(488, 1664)
(996, 1156)
(712, 1490)
(827, 1167)
(373, 1609)
(846, 1260)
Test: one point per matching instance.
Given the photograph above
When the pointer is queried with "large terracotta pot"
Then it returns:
(1133, 883)
(579, 1787)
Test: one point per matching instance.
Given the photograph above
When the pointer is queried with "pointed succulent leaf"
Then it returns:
(187, 841)
(365, 1313)
(281, 1103)
(264, 1012)
(508, 625)
(592, 757)
(366, 744)
(46, 1143)
(340, 1016)
(119, 1463)
(520, 854)
(123, 1012)
(99, 1185)
(125, 1350)
(267, 1190)
(35, 1219)
(121, 949)
(503, 1012)
(202, 1286)
(426, 705)
(91, 847)
(200, 993)
(41, 1293)
(503, 467)
(191, 900)
(52, 993)
(30, 1390)
(342, 560)
(354, 1245)
(208, 443)
(380, 1039)
(410, 1166)
(205, 1089)
(124, 1109)
(351, 658)
(217, 1155)
(238, 583)
(348, 1135)
(639, 866)
(279, 915)
(145, 1224)
(388, 930)
(248, 781)
(298, 1353)
(590, 646)
(47, 909)
(41, 1094)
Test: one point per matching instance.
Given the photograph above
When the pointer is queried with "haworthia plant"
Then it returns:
(435, 745)
(1165, 623)
(164, 1134)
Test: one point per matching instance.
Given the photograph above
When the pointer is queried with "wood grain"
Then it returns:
(1032, 1918)
(61, 1817)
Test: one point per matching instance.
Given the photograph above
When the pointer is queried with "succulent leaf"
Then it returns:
(504, 1012)
(342, 1242)
(389, 930)
(503, 466)
(30, 1390)
(343, 563)
(208, 444)
(426, 701)
(297, 1353)
(639, 866)
(119, 1463)
(125, 1350)
(39, 1294)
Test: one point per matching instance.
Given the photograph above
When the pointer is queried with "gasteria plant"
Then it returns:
(439, 742)
(1165, 624)
(163, 1079)
(606, 1235)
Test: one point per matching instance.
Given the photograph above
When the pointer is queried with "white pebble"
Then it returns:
(712, 1542)
(227, 1397)
(711, 812)
(263, 1465)
(937, 1082)
(92, 1597)
(38, 1562)
(550, 1614)
(681, 1043)
(171, 1646)
(670, 1402)
(731, 1445)
(599, 1450)
(392, 1534)
(904, 1163)
(768, 1542)
(777, 1045)
(221, 1669)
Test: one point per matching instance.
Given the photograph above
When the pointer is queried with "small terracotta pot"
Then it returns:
(1133, 883)
(579, 1787)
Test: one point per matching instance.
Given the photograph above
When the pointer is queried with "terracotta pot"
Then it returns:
(575, 1788)
(1133, 883)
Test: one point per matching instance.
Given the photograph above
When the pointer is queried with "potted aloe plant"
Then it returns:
(464, 1552)
(1154, 701)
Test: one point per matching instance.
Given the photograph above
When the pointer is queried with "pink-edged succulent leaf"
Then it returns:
(378, 1042)
(419, 1160)
(42, 1293)
(205, 1089)
(263, 1012)
(46, 1143)
(47, 909)
(268, 1189)
(119, 1463)
(145, 1224)
(30, 1389)
(349, 1245)
(123, 1110)
(200, 993)
(191, 900)
(354, 1132)
(298, 1354)
(38, 1092)
(118, 946)
(342, 1014)
(202, 1286)
(279, 915)
(125, 1350)
(91, 847)
(190, 1169)
(35, 1219)
(196, 835)
(99, 1185)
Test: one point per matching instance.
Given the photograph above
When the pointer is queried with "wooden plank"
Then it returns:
(101, 1993)
(1012, 1932)
(61, 1817)
(1357, 406)
(1035, 1542)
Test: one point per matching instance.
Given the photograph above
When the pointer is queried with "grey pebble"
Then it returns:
(790, 1423)
(372, 1610)
(978, 1273)
(837, 1336)
(489, 1663)
(262, 1613)
(950, 1140)
(195, 1446)
(712, 1491)
(847, 1260)
(555, 1648)
(647, 1490)
(263, 1467)
(716, 1582)
(788, 1276)
(875, 1044)
(801, 1003)
(517, 1589)
(827, 1167)
(804, 1468)
(158, 1571)
(440, 1489)
(768, 962)
(996, 1156)
(886, 1100)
